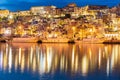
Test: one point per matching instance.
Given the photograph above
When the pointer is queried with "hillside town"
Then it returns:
(71, 22)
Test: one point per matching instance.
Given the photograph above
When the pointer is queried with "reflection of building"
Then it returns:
(44, 59)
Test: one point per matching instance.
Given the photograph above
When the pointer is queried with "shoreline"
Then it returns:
(36, 40)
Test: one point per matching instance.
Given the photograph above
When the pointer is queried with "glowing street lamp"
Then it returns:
(10, 16)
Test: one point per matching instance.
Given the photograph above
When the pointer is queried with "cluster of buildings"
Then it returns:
(91, 21)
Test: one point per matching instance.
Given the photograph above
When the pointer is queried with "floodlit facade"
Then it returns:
(43, 10)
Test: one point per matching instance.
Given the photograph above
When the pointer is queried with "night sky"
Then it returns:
(15, 5)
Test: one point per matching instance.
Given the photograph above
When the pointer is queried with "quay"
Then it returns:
(111, 42)
(51, 40)
(55, 40)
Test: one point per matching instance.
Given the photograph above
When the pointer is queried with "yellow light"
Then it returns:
(49, 35)
(20, 27)
(73, 28)
(7, 32)
(115, 29)
(49, 16)
(90, 30)
(55, 35)
(11, 17)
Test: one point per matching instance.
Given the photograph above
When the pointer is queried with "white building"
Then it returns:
(43, 10)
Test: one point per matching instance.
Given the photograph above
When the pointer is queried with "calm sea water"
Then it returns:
(30, 61)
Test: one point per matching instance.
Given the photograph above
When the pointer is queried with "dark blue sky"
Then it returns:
(14, 5)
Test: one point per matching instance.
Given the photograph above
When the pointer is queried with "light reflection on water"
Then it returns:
(78, 60)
